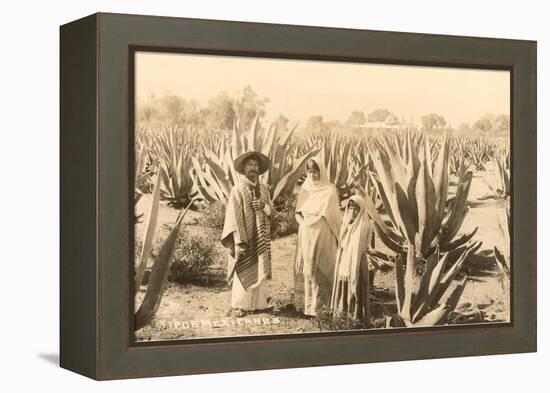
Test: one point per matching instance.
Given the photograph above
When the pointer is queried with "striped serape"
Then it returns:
(251, 229)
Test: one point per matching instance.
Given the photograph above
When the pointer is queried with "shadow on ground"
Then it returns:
(480, 265)
(52, 358)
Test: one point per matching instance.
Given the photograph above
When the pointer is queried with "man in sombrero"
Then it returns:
(246, 235)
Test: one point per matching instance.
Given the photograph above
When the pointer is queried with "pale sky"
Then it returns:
(300, 89)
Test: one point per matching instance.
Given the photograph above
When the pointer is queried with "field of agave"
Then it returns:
(416, 186)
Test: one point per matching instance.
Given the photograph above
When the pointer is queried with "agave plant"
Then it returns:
(400, 140)
(161, 264)
(150, 227)
(432, 302)
(480, 151)
(287, 165)
(423, 224)
(502, 251)
(335, 154)
(362, 170)
(360, 161)
(499, 179)
(174, 151)
(215, 175)
(457, 159)
(435, 148)
(140, 178)
(415, 198)
(143, 170)
(504, 153)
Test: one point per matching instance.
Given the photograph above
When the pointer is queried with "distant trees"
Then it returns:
(147, 112)
(332, 125)
(379, 115)
(171, 108)
(501, 124)
(247, 105)
(433, 121)
(494, 124)
(219, 112)
(357, 118)
(392, 120)
(489, 124)
(314, 123)
(464, 128)
(318, 124)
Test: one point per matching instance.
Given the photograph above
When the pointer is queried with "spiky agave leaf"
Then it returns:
(406, 311)
(150, 227)
(459, 208)
(455, 268)
(208, 184)
(498, 180)
(440, 281)
(173, 149)
(430, 304)
(389, 183)
(393, 240)
(415, 195)
(253, 142)
(502, 251)
(426, 200)
(291, 176)
(215, 175)
(335, 154)
(439, 315)
(399, 283)
(441, 181)
(426, 282)
(159, 275)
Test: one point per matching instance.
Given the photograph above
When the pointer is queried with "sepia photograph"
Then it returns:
(287, 196)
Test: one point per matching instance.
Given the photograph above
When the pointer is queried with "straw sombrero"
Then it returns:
(261, 158)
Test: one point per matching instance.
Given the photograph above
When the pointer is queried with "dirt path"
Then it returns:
(204, 311)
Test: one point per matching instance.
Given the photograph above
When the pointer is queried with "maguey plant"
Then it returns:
(423, 223)
(336, 155)
(502, 251)
(479, 152)
(434, 299)
(458, 163)
(416, 199)
(399, 141)
(143, 168)
(499, 177)
(173, 149)
(362, 169)
(161, 265)
(216, 175)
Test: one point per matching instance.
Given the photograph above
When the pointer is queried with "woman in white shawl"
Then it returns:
(350, 292)
(318, 216)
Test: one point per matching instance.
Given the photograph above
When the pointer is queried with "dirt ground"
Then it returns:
(203, 310)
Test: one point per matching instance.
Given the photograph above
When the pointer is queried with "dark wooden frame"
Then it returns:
(96, 196)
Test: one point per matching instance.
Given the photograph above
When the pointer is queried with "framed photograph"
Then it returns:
(243, 196)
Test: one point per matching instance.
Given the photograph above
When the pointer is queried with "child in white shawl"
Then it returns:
(350, 292)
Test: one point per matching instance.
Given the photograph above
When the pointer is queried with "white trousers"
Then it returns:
(251, 299)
